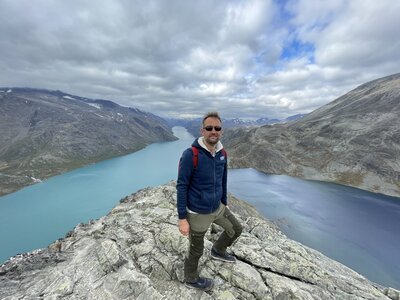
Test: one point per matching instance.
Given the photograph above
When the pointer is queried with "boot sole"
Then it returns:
(198, 288)
(221, 259)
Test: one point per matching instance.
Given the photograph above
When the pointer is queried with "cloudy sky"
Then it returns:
(181, 58)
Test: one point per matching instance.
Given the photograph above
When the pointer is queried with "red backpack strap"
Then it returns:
(225, 154)
(195, 156)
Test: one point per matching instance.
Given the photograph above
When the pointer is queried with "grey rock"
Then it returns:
(44, 133)
(354, 141)
(137, 252)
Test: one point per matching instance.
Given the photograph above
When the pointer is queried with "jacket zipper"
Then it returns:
(214, 183)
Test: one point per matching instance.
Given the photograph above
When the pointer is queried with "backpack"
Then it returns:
(196, 156)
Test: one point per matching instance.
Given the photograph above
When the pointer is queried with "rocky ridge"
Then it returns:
(137, 252)
(354, 140)
(44, 133)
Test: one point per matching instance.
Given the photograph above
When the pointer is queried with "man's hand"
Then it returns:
(184, 226)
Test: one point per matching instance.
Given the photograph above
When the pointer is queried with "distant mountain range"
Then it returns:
(193, 125)
(354, 140)
(44, 133)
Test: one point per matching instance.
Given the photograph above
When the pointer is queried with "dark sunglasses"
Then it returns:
(210, 128)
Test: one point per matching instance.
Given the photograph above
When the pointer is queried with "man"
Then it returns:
(202, 200)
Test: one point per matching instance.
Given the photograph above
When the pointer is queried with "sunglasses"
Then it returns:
(210, 128)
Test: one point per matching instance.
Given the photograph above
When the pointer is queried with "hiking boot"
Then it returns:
(222, 256)
(201, 283)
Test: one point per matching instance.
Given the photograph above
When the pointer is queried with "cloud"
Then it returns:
(182, 58)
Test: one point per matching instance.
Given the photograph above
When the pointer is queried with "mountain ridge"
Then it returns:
(353, 140)
(193, 125)
(45, 133)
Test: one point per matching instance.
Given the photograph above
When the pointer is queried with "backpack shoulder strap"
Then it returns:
(195, 156)
(224, 153)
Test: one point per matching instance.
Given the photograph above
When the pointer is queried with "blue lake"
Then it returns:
(357, 228)
(352, 226)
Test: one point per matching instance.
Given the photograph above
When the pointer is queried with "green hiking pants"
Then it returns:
(199, 224)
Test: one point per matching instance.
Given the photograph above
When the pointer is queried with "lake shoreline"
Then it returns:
(42, 213)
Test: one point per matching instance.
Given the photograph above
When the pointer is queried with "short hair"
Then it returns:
(211, 114)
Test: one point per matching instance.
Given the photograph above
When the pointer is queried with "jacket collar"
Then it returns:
(218, 147)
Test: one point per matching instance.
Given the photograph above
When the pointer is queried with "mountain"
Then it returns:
(193, 125)
(137, 252)
(354, 140)
(44, 133)
(293, 118)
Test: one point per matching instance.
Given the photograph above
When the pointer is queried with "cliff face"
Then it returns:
(137, 252)
(354, 140)
(44, 133)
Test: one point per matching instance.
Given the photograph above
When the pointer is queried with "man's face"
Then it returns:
(211, 137)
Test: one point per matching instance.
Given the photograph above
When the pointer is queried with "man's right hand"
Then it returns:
(184, 226)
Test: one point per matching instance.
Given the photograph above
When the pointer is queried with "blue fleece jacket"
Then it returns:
(201, 190)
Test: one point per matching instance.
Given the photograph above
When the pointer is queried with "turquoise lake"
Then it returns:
(358, 228)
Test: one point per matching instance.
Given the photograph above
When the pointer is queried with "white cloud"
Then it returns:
(243, 58)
